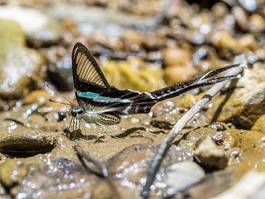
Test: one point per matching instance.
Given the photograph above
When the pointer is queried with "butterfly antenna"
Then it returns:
(70, 126)
(59, 102)
(70, 103)
(216, 72)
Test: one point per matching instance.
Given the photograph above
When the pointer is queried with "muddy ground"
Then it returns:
(140, 45)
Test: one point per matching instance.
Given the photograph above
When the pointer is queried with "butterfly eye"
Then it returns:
(73, 113)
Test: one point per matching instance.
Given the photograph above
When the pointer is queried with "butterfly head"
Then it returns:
(75, 111)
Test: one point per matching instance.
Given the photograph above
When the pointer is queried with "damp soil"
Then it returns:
(139, 45)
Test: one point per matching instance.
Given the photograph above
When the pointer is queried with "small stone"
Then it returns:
(168, 105)
(57, 178)
(235, 152)
(256, 23)
(48, 35)
(104, 190)
(210, 156)
(39, 29)
(124, 76)
(17, 64)
(249, 5)
(176, 56)
(3, 192)
(135, 120)
(60, 69)
(36, 96)
(209, 186)
(219, 9)
(12, 172)
(132, 39)
(241, 17)
(259, 124)
(218, 138)
(11, 35)
(26, 63)
(131, 164)
(177, 74)
(181, 175)
(201, 54)
(248, 42)
(218, 126)
(224, 40)
(150, 44)
(251, 185)
(246, 103)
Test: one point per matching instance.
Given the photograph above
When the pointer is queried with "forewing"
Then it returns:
(86, 71)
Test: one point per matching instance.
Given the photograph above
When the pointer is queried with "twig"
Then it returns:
(95, 167)
(15, 120)
(176, 130)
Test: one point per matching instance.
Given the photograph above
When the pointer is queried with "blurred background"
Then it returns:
(142, 45)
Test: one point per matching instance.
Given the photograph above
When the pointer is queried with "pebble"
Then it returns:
(256, 23)
(182, 175)
(210, 155)
(18, 64)
(38, 28)
(174, 56)
(17, 72)
(177, 74)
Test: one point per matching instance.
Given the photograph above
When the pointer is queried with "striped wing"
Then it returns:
(108, 119)
(95, 95)
(86, 71)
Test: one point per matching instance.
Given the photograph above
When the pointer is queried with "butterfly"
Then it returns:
(103, 104)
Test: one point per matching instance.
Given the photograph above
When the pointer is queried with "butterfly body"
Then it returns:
(105, 108)
(103, 104)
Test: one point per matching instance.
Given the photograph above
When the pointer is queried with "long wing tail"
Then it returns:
(207, 79)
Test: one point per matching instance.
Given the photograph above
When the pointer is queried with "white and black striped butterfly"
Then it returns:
(101, 103)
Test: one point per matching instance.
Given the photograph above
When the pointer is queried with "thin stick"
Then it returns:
(96, 167)
(176, 130)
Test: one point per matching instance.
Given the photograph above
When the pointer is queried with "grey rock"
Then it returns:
(181, 175)
(38, 28)
(249, 5)
(60, 70)
(209, 155)
(251, 186)
(17, 71)
(245, 104)
(17, 63)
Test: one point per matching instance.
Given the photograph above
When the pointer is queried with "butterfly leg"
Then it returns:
(75, 124)
(79, 125)
(83, 126)
(70, 124)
